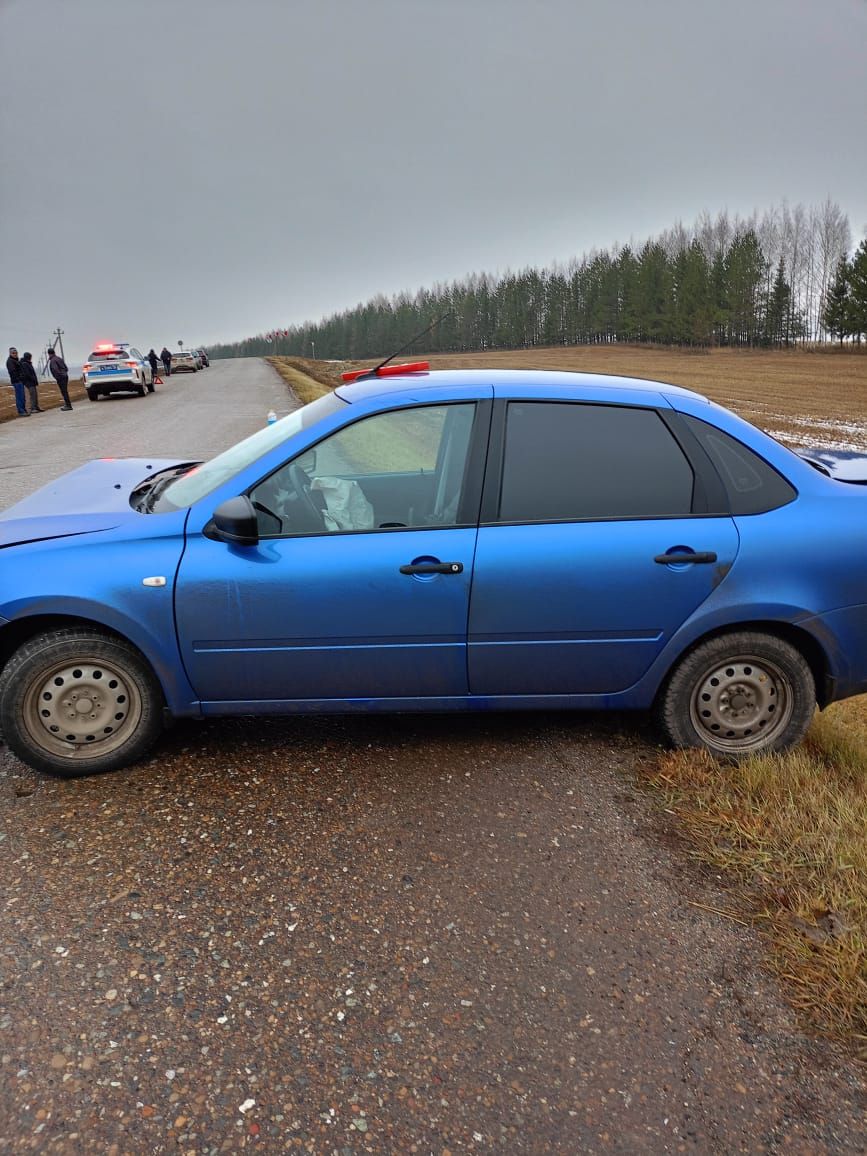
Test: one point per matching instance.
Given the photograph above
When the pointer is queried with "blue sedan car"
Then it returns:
(451, 541)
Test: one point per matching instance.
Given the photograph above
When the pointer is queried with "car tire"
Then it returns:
(92, 394)
(140, 390)
(740, 694)
(47, 728)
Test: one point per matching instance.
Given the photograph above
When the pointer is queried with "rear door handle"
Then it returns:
(433, 568)
(680, 559)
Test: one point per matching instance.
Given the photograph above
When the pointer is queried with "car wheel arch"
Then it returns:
(810, 648)
(20, 631)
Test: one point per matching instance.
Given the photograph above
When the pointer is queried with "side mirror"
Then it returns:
(234, 521)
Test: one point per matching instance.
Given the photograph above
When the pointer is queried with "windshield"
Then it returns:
(204, 479)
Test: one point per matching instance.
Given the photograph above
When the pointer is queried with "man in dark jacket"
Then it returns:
(155, 361)
(31, 381)
(58, 369)
(13, 368)
(166, 360)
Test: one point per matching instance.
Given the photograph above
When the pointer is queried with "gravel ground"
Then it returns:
(406, 935)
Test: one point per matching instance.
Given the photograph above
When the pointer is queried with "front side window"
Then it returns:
(389, 471)
(567, 461)
(197, 483)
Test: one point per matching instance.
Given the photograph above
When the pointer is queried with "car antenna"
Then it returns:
(373, 372)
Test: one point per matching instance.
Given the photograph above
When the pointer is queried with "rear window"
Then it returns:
(753, 486)
(107, 354)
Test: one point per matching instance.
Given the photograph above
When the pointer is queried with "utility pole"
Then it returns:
(54, 340)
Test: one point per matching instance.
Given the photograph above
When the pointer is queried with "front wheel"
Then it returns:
(76, 702)
(737, 695)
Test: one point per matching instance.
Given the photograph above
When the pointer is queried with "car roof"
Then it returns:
(543, 379)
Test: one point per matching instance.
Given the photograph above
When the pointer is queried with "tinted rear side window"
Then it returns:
(753, 487)
(569, 460)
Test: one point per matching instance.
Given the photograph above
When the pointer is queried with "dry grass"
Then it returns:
(306, 378)
(789, 834)
(800, 397)
(49, 397)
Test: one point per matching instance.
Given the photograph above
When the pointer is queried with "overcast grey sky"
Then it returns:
(209, 169)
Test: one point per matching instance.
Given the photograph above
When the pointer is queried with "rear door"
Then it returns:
(572, 592)
(143, 367)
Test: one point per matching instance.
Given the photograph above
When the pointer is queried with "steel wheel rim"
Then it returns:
(741, 704)
(82, 709)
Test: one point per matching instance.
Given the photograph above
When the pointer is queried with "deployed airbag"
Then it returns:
(346, 507)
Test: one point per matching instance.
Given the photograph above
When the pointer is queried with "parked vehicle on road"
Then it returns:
(203, 357)
(117, 367)
(453, 541)
(185, 360)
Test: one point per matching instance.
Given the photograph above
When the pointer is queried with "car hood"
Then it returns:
(844, 465)
(91, 498)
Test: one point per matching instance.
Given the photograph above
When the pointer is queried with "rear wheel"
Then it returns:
(76, 702)
(140, 389)
(92, 394)
(741, 694)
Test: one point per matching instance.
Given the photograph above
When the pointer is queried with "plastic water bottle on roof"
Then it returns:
(272, 417)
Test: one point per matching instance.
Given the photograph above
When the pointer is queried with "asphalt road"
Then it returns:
(192, 415)
(408, 935)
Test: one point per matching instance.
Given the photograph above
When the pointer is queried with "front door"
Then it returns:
(359, 586)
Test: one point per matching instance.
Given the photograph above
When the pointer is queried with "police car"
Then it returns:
(117, 367)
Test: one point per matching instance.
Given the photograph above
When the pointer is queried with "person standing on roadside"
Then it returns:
(166, 357)
(31, 381)
(13, 368)
(58, 369)
(154, 360)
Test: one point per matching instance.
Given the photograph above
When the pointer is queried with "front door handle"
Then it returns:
(433, 568)
(680, 559)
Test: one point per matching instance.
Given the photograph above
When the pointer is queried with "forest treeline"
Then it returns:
(776, 279)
